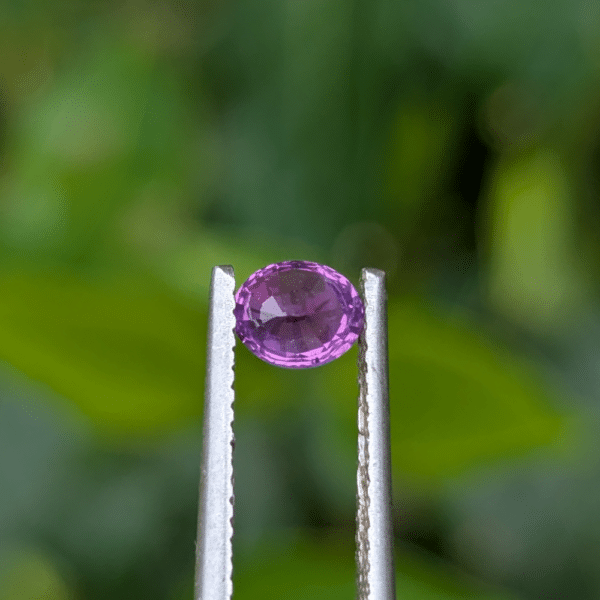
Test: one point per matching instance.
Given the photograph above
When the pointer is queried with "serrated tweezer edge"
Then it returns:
(213, 580)
(374, 535)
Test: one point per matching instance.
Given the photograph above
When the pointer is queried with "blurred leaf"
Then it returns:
(312, 570)
(534, 277)
(125, 351)
(420, 155)
(112, 122)
(125, 347)
(27, 575)
(456, 399)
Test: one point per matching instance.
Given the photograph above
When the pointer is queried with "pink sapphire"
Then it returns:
(298, 314)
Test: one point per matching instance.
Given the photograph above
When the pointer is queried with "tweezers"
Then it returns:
(374, 536)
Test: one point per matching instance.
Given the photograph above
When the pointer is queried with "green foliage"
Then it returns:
(121, 348)
(141, 144)
(481, 402)
(535, 271)
(456, 399)
(307, 569)
(28, 575)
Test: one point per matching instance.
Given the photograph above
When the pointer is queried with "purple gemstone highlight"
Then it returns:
(298, 314)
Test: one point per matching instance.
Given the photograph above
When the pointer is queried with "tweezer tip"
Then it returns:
(370, 277)
(370, 271)
(226, 270)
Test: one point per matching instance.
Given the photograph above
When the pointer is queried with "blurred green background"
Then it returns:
(452, 143)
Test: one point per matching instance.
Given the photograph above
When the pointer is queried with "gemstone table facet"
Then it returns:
(298, 314)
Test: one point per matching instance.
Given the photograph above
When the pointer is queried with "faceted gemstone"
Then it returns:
(298, 314)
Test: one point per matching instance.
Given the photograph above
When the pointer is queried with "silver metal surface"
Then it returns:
(374, 536)
(215, 526)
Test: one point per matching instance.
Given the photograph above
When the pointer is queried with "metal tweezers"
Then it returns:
(374, 539)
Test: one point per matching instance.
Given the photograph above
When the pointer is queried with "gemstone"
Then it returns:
(298, 314)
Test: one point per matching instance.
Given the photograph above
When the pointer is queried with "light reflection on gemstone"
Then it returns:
(270, 310)
(298, 314)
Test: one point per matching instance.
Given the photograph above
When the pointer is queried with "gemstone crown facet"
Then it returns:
(298, 314)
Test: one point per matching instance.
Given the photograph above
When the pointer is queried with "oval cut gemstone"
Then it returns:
(298, 314)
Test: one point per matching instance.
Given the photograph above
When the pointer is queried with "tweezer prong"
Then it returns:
(215, 527)
(374, 537)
